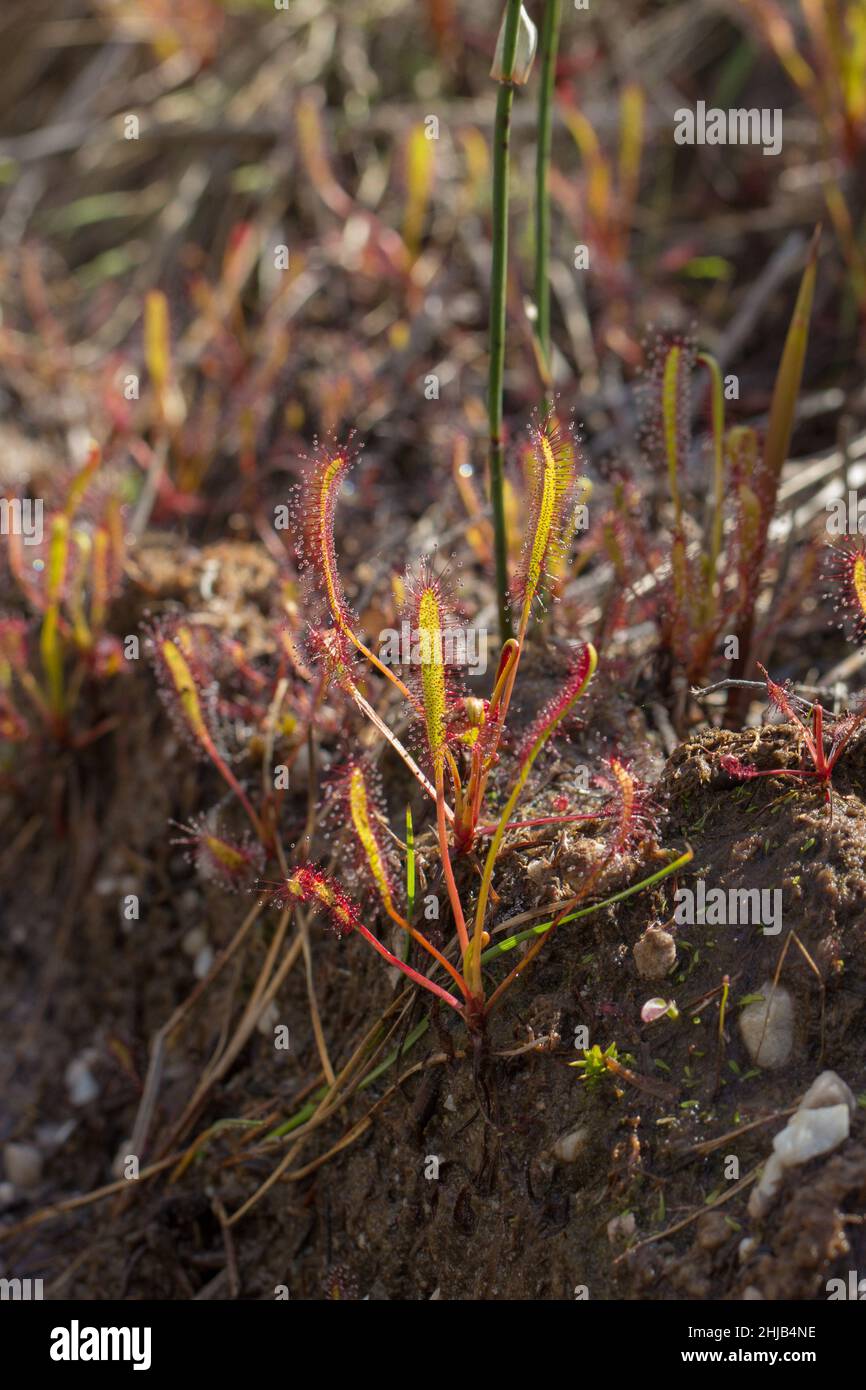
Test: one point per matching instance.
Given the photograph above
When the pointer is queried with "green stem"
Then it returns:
(587, 673)
(447, 870)
(549, 42)
(498, 297)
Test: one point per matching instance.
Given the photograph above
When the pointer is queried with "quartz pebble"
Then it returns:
(810, 1133)
(814, 1129)
(767, 1027)
(828, 1089)
(568, 1147)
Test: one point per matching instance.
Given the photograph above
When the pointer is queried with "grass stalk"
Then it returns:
(498, 298)
(548, 43)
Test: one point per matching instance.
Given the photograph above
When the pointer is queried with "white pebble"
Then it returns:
(810, 1133)
(268, 1019)
(767, 1027)
(828, 1089)
(568, 1147)
(194, 941)
(80, 1081)
(621, 1228)
(203, 962)
(23, 1164)
(766, 1190)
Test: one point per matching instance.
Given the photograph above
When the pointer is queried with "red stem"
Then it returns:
(407, 969)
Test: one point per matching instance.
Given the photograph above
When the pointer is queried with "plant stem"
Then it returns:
(487, 875)
(549, 42)
(445, 856)
(229, 778)
(498, 297)
(587, 673)
(407, 969)
(428, 946)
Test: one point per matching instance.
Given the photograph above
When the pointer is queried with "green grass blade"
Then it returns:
(511, 941)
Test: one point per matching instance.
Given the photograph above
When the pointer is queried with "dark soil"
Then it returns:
(453, 1190)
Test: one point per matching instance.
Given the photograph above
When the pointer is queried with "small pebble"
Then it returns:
(203, 962)
(23, 1164)
(767, 1027)
(80, 1081)
(194, 941)
(569, 1147)
(269, 1019)
(655, 953)
(828, 1089)
(810, 1133)
(621, 1228)
(766, 1190)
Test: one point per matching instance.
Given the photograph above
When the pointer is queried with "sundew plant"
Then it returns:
(432, 774)
(461, 736)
